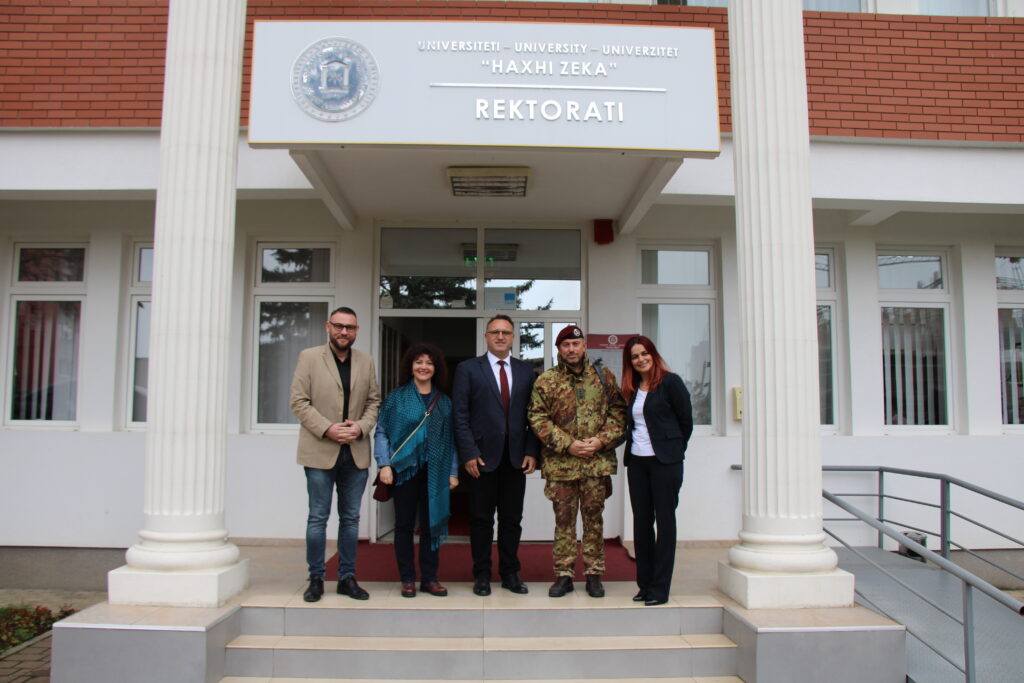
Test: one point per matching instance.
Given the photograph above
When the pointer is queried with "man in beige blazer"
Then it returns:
(336, 398)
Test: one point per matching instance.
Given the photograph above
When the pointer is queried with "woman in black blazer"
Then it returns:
(660, 421)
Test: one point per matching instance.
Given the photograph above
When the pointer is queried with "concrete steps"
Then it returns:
(466, 638)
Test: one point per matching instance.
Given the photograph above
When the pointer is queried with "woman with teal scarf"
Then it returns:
(414, 448)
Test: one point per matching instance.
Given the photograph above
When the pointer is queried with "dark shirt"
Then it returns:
(345, 372)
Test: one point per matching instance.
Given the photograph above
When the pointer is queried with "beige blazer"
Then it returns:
(317, 400)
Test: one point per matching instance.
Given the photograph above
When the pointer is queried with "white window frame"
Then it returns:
(59, 291)
(139, 291)
(15, 299)
(829, 296)
(1008, 299)
(924, 298)
(312, 292)
(66, 286)
(259, 285)
(709, 295)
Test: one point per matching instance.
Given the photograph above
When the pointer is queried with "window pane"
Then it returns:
(296, 265)
(531, 344)
(674, 267)
(286, 327)
(45, 360)
(822, 271)
(914, 365)
(427, 268)
(909, 272)
(145, 273)
(826, 395)
(960, 8)
(832, 5)
(51, 265)
(537, 270)
(140, 371)
(1009, 272)
(1011, 364)
(683, 335)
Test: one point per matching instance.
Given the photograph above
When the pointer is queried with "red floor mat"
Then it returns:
(376, 562)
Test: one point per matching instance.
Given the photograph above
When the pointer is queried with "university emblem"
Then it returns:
(335, 79)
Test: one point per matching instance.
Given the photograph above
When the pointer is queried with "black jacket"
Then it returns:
(669, 419)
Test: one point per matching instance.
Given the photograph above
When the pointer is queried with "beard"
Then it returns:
(340, 347)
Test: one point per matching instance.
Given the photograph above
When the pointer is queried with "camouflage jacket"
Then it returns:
(566, 406)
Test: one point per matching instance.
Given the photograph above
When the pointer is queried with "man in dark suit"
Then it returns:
(497, 448)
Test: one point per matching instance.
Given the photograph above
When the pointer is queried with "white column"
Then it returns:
(183, 557)
(781, 560)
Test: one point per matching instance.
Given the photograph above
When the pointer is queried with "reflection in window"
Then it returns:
(914, 365)
(45, 385)
(832, 5)
(1009, 272)
(43, 264)
(531, 344)
(674, 267)
(909, 272)
(145, 273)
(427, 268)
(954, 8)
(826, 396)
(534, 270)
(822, 271)
(683, 335)
(1011, 364)
(140, 369)
(296, 265)
(286, 327)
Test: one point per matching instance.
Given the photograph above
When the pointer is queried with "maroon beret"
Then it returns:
(570, 332)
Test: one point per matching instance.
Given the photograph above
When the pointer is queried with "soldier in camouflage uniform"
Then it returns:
(579, 419)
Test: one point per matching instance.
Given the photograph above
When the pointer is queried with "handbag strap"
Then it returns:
(426, 414)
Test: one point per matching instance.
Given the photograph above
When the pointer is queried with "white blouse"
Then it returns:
(641, 437)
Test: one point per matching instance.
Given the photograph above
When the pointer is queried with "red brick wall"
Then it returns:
(96, 63)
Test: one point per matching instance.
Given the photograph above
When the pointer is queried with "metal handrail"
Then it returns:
(954, 569)
(970, 581)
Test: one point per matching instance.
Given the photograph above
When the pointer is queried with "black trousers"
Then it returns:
(654, 496)
(409, 497)
(499, 491)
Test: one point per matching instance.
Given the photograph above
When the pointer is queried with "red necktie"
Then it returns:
(505, 397)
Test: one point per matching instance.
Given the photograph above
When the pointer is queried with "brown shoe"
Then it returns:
(408, 589)
(434, 588)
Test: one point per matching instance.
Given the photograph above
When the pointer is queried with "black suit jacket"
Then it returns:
(669, 419)
(480, 417)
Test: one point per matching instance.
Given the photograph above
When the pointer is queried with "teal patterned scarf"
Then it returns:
(431, 444)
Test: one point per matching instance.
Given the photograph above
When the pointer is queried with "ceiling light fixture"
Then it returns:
(488, 181)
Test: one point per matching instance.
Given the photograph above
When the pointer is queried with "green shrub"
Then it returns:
(19, 623)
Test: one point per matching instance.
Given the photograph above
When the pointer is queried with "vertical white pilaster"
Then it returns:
(781, 560)
(183, 557)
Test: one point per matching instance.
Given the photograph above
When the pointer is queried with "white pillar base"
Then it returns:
(786, 590)
(185, 588)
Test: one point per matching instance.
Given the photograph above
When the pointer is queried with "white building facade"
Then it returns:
(918, 238)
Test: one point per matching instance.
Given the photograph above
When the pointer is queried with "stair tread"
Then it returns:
(352, 643)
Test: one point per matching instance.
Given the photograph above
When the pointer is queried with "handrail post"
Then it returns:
(881, 507)
(945, 522)
(969, 668)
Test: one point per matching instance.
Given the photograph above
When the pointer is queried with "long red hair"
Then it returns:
(630, 377)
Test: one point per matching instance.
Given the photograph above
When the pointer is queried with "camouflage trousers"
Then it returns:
(587, 496)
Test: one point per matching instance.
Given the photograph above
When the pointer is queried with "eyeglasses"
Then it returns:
(500, 333)
(338, 327)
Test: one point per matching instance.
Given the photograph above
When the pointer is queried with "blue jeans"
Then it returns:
(350, 482)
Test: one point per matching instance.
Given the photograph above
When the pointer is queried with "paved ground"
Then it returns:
(696, 573)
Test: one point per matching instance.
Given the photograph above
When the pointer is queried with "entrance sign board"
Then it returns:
(487, 84)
